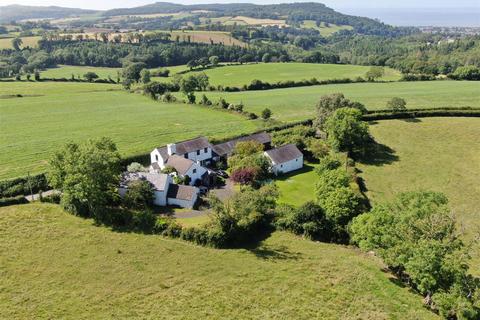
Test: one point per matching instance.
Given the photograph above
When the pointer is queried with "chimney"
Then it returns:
(171, 149)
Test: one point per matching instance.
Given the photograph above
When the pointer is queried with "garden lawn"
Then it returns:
(68, 268)
(239, 75)
(64, 71)
(439, 154)
(34, 127)
(297, 187)
(299, 103)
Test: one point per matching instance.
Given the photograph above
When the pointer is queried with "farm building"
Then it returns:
(225, 149)
(185, 167)
(285, 159)
(198, 150)
(166, 193)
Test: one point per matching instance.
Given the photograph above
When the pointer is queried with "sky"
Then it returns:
(336, 4)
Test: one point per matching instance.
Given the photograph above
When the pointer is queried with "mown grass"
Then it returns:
(299, 103)
(33, 127)
(440, 154)
(297, 187)
(68, 268)
(240, 75)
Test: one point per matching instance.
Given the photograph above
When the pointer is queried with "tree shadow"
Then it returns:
(275, 253)
(377, 154)
(412, 120)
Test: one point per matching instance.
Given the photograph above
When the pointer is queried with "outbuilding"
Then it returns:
(285, 159)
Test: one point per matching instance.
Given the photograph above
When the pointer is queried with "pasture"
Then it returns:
(325, 30)
(239, 75)
(50, 114)
(67, 266)
(299, 103)
(439, 154)
(207, 37)
(64, 71)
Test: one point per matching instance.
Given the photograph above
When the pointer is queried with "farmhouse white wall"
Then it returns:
(288, 166)
(199, 171)
(156, 157)
(201, 155)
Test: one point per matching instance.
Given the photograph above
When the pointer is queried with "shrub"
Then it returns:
(266, 114)
(244, 176)
(23, 185)
(136, 167)
(52, 198)
(12, 201)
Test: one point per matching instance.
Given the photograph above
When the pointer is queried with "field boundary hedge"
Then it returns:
(411, 114)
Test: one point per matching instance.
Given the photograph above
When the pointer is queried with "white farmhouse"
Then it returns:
(184, 167)
(198, 150)
(285, 159)
(166, 193)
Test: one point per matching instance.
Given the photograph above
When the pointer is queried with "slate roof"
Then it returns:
(181, 192)
(192, 145)
(158, 180)
(179, 163)
(163, 152)
(226, 148)
(284, 153)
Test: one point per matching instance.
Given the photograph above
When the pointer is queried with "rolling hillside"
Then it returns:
(67, 267)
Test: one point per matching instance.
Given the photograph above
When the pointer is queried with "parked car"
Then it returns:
(203, 190)
(222, 174)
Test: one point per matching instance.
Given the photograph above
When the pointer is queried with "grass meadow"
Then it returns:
(297, 187)
(325, 30)
(35, 126)
(299, 103)
(239, 75)
(64, 71)
(68, 267)
(6, 43)
(439, 154)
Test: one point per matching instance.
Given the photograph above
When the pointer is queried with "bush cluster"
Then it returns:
(418, 113)
(21, 186)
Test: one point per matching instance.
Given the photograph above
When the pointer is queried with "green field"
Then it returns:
(238, 75)
(324, 30)
(299, 103)
(68, 268)
(78, 71)
(440, 154)
(34, 127)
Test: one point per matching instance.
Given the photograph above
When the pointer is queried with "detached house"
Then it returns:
(285, 159)
(187, 158)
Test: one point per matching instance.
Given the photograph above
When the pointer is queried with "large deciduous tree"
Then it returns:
(87, 175)
(346, 131)
(331, 102)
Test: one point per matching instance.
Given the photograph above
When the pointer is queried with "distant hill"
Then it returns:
(18, 12)
(291, 12)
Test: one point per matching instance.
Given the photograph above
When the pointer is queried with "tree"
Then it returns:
(331, 102)
(266, 114)
(416, 237)
(397, 104)
(36, 75)
(309, 220)
(135, 167)
(247, 148)
(140, 195)
(214, 60)
(132, 71)
(203, 61)
(87, 175)
(90, 76)
(466, 73)
(346, 131)
(267, 57)
(375, 73)
(245, 176)
(145, 76)
(16, 43)
(318, 148)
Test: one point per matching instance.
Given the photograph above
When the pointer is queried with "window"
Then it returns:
(296, 160)
(156, 157)
(194, 171)
(205, 150)
(186, 155)
(281, 166)
(198, 152)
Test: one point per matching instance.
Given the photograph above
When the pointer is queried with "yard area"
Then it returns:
(297, 187)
